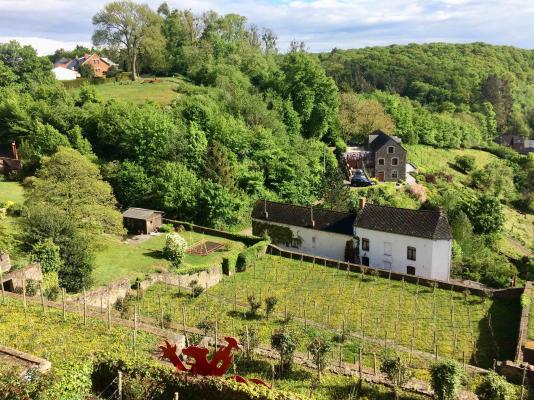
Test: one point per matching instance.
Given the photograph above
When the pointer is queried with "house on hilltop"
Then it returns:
(100, 65)
(415, 242)
(384, 158)
(519, 143)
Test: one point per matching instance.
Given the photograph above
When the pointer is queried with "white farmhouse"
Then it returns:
(310, 230)
(414, 242)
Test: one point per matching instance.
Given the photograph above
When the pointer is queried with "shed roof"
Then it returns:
(139, 213)
(427, 224)
(289, 214)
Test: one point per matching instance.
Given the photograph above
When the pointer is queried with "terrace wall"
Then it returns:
(509, 293)
(525, 350)
(206, 279)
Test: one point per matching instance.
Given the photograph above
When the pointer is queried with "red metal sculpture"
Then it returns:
(220, 363)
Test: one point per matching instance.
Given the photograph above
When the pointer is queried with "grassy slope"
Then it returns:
(518, 238)
(323, 291)
(118, 259)
(11, 191)
(138, 92)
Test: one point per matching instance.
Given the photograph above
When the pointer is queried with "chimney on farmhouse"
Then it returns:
(312, 221)
(362, 202)
(14, 150)
(265, 213)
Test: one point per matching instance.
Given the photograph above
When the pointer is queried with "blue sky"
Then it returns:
(321, 24)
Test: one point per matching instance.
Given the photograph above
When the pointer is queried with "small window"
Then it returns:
(381, 161)
(391, 150)
(394, 174)
(387, 248)
(313, 239)
(394, 161)
(411, 253)
(295, 243)
(410, 270)
(365, 244)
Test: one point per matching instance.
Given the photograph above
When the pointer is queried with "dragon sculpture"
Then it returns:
(218, 365)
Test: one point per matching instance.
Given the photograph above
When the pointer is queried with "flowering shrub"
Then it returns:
(175, 247)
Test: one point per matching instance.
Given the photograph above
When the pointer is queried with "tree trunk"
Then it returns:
(133, 66)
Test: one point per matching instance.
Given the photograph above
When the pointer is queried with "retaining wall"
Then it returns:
(101, 296)
(31, 271)
(24, 360)
(525, 350)
(206, 279)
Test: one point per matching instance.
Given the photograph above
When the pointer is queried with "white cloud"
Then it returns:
(42, 45)
(322, 24)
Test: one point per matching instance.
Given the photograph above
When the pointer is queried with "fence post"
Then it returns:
(109, 315)
(2, 284)
(63, 301)
(24, 296)
(42, 297)
(119, 390)
(84, 308)
(374, 363)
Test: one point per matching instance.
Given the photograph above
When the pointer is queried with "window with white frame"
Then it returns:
(394, 161)
(391, 150)
(381, 161)
(394, 174)
(411, 253)
(365, 244)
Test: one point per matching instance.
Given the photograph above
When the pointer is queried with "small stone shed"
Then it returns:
(141, 220)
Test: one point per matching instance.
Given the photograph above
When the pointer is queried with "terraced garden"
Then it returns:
(331, 302)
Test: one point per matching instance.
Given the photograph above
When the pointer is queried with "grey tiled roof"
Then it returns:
(420, 223)
(289, 214)
(139, 213)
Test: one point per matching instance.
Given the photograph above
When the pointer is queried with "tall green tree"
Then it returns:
(128, 25)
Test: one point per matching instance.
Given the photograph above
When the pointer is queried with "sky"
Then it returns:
(321, 24)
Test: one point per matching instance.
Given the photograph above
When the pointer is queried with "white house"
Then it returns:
(414, 242)
(315, 231)
(65, 74)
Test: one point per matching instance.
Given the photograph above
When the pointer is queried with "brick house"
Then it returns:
(100, 65)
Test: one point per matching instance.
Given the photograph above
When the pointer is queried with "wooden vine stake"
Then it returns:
(2, 285)
(109, 315)
(63, 302)
(42, 298)
(84, 308)
(24, 297)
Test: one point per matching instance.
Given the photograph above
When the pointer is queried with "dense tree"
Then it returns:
(447, 378)
(128, 25)
(25, 64)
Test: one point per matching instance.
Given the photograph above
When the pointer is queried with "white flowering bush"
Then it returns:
(175, 247)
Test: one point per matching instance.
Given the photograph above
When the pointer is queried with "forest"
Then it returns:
(250, 121)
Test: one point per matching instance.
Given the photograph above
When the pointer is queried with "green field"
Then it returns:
(163, 92)
(324, 297)
(119, 259)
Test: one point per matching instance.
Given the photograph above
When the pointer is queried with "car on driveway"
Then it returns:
(360, 180)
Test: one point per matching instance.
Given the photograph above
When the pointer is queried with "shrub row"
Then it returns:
(250, 254)
(147, 379)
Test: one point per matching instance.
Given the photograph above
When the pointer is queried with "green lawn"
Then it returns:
(118, 259)
(11, 191)
(387, 308)
(138, 92)
(432, 159)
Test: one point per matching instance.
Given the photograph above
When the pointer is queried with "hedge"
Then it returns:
(228, 265)
(147, 379)
(250, 254)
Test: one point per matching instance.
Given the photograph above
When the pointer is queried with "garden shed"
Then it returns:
(141, 220)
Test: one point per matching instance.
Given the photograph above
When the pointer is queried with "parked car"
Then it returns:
(360, 180)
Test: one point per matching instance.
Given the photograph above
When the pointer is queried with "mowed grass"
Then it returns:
(138, 92)
(11, 191)
(118, 259)
(326, 299)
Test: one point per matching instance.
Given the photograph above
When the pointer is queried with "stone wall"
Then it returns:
(5, 262)
(24, 360)
(524, 350)
(101, 296)
(31, 271)
(205, 279)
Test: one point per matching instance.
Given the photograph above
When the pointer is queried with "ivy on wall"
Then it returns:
(277, 233)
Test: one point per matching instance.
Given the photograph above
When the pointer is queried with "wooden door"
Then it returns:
(380, 176)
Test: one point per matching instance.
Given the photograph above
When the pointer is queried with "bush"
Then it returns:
(47, 253)
(285, 343)
(396, 371)
(31, 287)
(167, 320)
(447, 378)
(52, 293)
(319, 349)
(270, 304)
(196, 289)
(253, 306)
(228, 266)
(175, 247)
(494, 387)
(206, 326)
(247, 257)
(166, 228)
(465, 164)
(249, 340)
